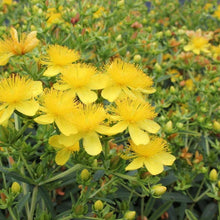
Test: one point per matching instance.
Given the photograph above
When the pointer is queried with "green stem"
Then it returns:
(27, 166)
(100, 189)
(62, 175)
(33, 203)
(12, 213)
(142, 208)
(17, 123)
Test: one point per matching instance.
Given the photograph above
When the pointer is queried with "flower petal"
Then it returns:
(165, 158)
(135, 164)
(28, 107)
(117, 128)
(150, 126)
(102, 129)
(54, 142)
(37, 88)
(62, 157)
(92, 144)
(138, 135)
(68, 140)
(5, 114)
(4, 58)
(98, 81)
(188, 47)
(153, 165)
(111, 93)
(52, 71)
(44, 119)
(65, 126)
(86, 95)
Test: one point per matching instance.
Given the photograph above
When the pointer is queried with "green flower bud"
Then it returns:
(179, 125)
(137, 58)
(15, 188)
(130, 215)
(98, 206)
(108, 215)
(85, 175)
(157, 67)
(159, 190)
(168, 127)
(213, 175)
(216, 126)
(119, 38)
(219, 184)
(79, 210)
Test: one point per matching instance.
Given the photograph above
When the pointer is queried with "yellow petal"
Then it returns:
(92, 144)
(54, 142)
(188, 47)
(196, 51)
(98, 81)
(28, 107)
(117, 128)
(153, 165)
(44, 119)
(37, 88)
(147, 91)
(111, 93)
(135, 164)
(52, 71)
(62, 157)
(102, 129)
(65, 126)
(61, 87)
(4, 58)
(5, 114)
(137, 135)
(86, 95)
(165, 158)
(68, 140)
(150, 126)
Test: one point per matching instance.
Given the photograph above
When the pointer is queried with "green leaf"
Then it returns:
(160, 211)
(190, 215)
(176, 197)
(22, 202)
(149, 206)
(209, 212)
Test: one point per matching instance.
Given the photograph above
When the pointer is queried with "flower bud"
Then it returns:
(157, 67)
(168, 33)
(213, 175)
(130, 215)
(169, 127)
(114, 162)
(79, 210)
(172, 89)
(108, 215)
(179, 125)
(219, 184)
(98, 206)
(137, 58)
(85, 175)
(159, 190)
(118, 38)
(216, 126)
(15, 188)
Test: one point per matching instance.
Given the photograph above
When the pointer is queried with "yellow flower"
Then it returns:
(80, 79)
(208, 6)
(89, 121)
(64, 146)
(136, 115)
(58, 106)
(12, 46)
(198, 44)
(99, 12)
(59, 57)
(217, 12)
(7, 2)
(18, 93)
(127, 78)
(153, 155)
(215, 51)
(54, 16)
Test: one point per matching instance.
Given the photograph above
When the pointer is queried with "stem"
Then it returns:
(142, 208)
(33, 203)
(12, 213)
(17, 123)
(112, 180)
(26, 165)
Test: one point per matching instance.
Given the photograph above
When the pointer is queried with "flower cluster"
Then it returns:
(75, 103)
